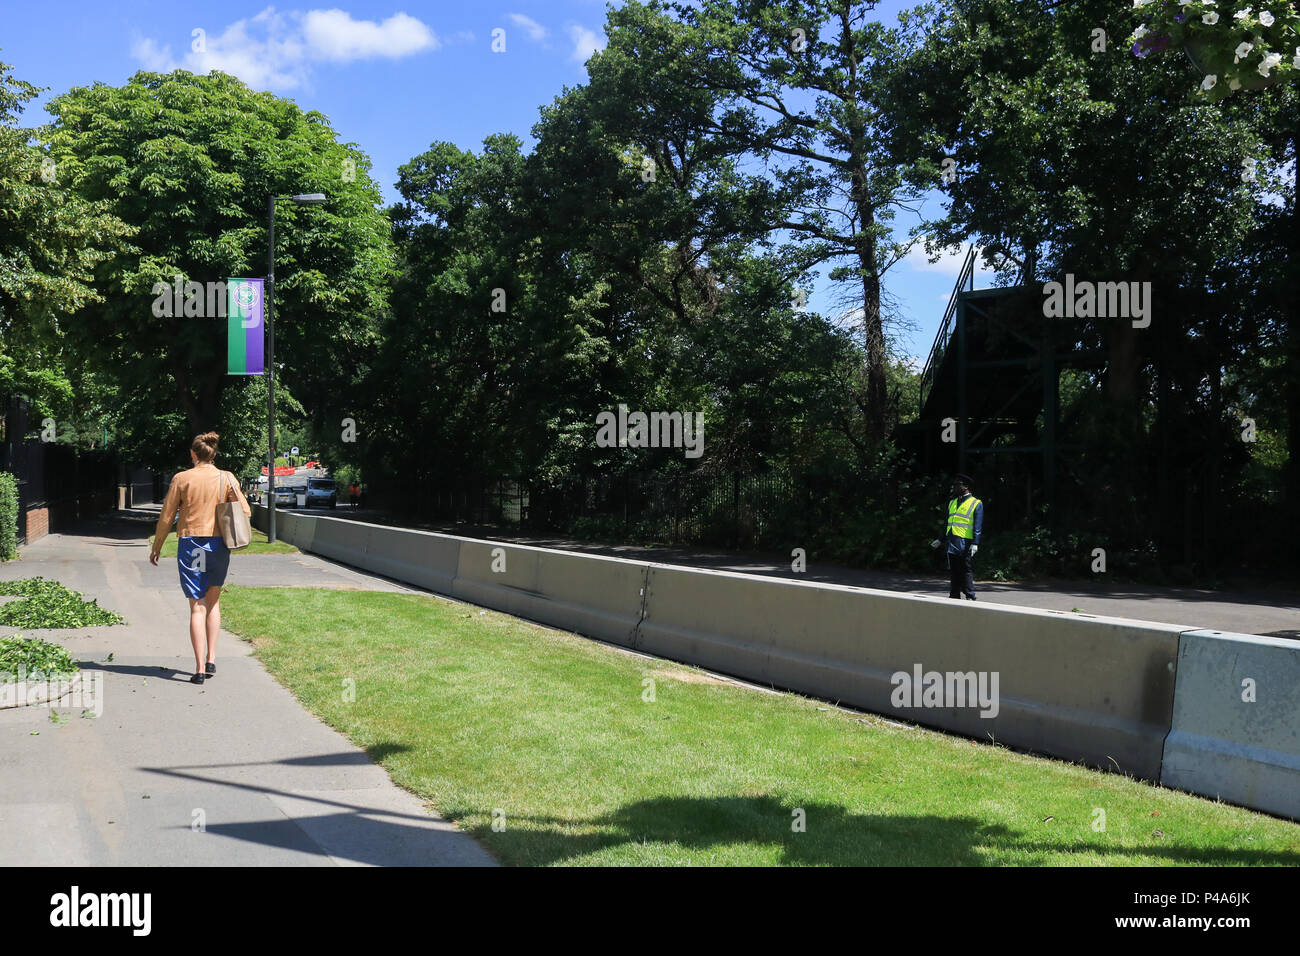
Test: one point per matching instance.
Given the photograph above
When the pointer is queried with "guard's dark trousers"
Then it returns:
(961, 576)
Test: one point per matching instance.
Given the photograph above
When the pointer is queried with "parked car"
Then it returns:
(286, 496)
(322, 491)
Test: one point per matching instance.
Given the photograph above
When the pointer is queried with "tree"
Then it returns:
(189, 161)
(808, 85)
(51, 239)
(1085, 159)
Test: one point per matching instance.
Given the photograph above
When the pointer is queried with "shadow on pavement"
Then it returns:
(161, 672)
(353, 832)
(346, 758)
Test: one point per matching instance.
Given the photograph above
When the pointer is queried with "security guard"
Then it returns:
(965, 523)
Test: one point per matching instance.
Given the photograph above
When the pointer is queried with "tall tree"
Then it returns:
(808, 85)
(1082, 158)
(189, 162)
(50, 242)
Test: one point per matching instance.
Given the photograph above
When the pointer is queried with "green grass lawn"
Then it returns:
(258, 545)
(484, 714)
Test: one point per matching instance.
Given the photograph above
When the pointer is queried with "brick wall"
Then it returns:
(38, 524)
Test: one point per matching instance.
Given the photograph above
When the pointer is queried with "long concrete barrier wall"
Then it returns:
(1117, 694)
(1097, 690)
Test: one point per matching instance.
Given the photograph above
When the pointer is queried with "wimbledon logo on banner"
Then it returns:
(244, 354)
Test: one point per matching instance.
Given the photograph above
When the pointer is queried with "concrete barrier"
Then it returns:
(345, 541)
(590, 594)
(421, 558)
(1223, 743)
(297, 530)
(1089, 689)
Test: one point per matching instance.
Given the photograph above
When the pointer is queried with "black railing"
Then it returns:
(967, 275)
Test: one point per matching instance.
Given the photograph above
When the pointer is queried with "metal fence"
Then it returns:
(690, 508)
(730, 510)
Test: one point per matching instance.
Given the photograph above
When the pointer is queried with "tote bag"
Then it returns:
(235, 528)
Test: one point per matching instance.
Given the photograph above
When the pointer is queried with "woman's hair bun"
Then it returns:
(205, 446)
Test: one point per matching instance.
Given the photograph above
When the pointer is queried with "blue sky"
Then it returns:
(391, 75)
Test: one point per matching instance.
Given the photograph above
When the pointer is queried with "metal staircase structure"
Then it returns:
(991, 384)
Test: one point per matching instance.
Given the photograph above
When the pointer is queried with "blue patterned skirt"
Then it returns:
(203, 563)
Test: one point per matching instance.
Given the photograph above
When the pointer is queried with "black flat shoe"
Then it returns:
(197, 679)
(212, 669)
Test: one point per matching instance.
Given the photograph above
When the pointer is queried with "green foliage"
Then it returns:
(1031, 552)
(1102, 166)
(50, 604)
(646, 251)
(805, 87)
(35, 659)
(635, 253)
(8, 517)
(189, 162)
(1234, 48)
(608, 527)
(51, 241)
(343, 476)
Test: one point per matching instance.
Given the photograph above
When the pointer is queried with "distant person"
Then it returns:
(354, 494)
(965, 524)
(202, 557)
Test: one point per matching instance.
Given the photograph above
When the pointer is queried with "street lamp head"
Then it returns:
(308, 198)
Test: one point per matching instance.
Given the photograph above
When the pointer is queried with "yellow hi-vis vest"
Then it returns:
(961, 517)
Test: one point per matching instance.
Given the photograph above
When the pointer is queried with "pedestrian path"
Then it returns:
(232, 773)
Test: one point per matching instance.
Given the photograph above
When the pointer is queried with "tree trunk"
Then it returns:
(877, 397)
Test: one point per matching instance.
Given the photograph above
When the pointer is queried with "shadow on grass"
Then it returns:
(833, 837)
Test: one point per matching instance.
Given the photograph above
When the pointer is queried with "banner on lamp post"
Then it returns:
(245, 314)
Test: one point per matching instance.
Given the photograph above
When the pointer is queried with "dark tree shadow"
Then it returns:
(831, 837)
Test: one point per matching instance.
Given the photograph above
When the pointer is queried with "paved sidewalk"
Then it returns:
(272, 784)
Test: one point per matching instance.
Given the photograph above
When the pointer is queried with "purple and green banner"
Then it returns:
(244, 355)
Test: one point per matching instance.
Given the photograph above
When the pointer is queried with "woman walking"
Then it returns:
(201, 554)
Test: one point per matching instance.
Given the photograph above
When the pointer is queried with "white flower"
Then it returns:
(1209, 81)
(1242, 14)
(1296, 61)
(1234, 84)
(1243, 49)
(1270, 61)
(1210, 19)
(1138, 4)
(1265, 18)
(1140, 32)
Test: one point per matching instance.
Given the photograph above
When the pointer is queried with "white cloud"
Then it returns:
(949, 263)
(334, 35)
(585, 43)
(151, 56)
(534, 29)
(276, 51)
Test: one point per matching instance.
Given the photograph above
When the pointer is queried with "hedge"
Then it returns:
(8, 517)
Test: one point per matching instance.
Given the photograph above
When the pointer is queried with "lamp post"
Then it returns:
(303, 199)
